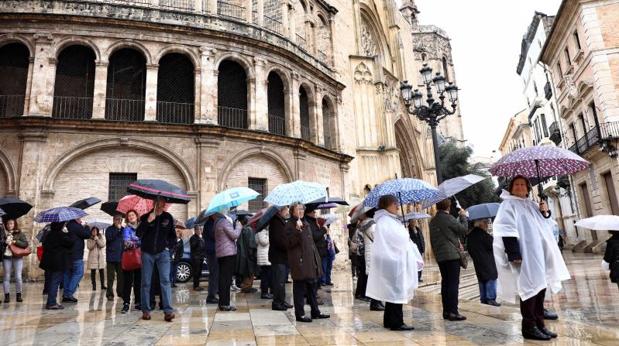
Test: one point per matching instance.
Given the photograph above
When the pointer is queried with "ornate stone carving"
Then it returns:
(368, 40)
(363, 74)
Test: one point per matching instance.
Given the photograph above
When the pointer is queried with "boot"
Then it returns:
(7, 297)
(102, 277)
(94, 286)
(19, 300)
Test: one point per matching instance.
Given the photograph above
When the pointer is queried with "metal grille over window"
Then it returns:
(75, 78)
(126, 85)
(118, 183)
(232, 95)
(14, 72)
(175, 90)
(273, 16)
(231, 8)
(304, 113)
(177, 4)
(260, 186)
(277, 107)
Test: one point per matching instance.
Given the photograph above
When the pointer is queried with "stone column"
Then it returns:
(44, 74)
(318, 137)
(150, 100)
(294, 116)
(100, 90)
(28, 85)
(292, 26)
(206, 171)
(198, 6)
(260, 13)
(208, 87)
(211, 7)
(331, 51)
(197, 91)
(338, 110)
(249, 16)
(285, 20)
(261, 100)
(310, 29)
(251, 102)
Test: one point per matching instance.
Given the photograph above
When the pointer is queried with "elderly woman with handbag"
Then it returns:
(14, 246)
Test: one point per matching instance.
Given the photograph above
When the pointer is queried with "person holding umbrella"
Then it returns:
(225, 250)
(57, 245)
(78, 232)
(113, 255)
(611, 257)
(416, 235)
(278, 256)
(131, 278)
(479, 245)
(12, 236)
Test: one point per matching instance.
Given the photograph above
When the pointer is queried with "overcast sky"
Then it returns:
(485, 41)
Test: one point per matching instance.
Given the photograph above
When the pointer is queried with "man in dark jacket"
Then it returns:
(211, 261)
(57, 249)
(179, 250)
(198, 253)
(416, 235)
(113, 255)
(481, 251)
(78, 233)
(318, 234)
(278, 256)
(246, 256)
(157, 231)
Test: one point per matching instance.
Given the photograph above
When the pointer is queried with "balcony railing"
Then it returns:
(586, 142)
(273, 24)
(610, 130)
(175, 112)
(124, 109)
(177, 4)
(277, 125)
(230, 9)
(72, 107)
(11, 105)
(548, 91)
(232, 117)
(305, 132)
(301, 41)
(555, 133)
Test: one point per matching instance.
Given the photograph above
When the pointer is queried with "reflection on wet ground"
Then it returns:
(588, 308)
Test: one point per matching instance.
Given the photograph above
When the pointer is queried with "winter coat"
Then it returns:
(130, 237)
(114, 244)
(18, 237)
(246, 261)
(208, 233)
(225, 237)
(197, 247)
(278, 247)
(179, 249)
(416, 236)
(445, 234)
(96, 252)
(318, 234)
(367, 229)
(611, 256)
(262, 240)
(303, 257)
(157, 235)
(78, 234)
(481, 251)
(56, 249)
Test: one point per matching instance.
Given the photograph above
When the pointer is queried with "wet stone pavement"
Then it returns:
(588, 308)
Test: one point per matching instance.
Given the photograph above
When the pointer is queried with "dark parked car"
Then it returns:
(184, 269)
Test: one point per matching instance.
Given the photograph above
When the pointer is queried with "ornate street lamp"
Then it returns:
(435, 111)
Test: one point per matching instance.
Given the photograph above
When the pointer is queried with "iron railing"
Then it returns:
(232, 117)
(124, 109)
(305, 132)
(610, 130)
(273, 24)
(11, 105)
(277, 125)
(230, 9)
(175, 112)
(586, 142)
(72, 107)
(177, 4)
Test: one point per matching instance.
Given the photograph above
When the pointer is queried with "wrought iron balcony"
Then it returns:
(11, 105)
(72, 107)
(305, 132)
(555, 133)
(232, 117)
(548, 91)
(277, 124)
(175, 112)
(124, 109)
(607, 132)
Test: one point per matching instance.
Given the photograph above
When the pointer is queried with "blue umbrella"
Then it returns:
(483, 211)
(231, 198)
(408, 190)
(60, 214)
(296, 192)
(416, 216)
(191, 222)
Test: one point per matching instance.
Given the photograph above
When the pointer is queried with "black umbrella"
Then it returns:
(14, 207)
(153, 189)
(265, 218)
(2, 212)
(110, 208)
(243, 213)
(313, 205)
(85, 203)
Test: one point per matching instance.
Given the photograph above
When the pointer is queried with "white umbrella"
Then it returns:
(329, 218)
(600, 223)
(416, 216)
(452, 186)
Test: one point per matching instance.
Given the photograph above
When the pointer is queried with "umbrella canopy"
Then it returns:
(243, 213)
(483, 211)
(231, 198)
(539, 161)
(101, 225)
(2, 212)
(191, 222)
(85, 203)
(60, 214)
(203, 216)
(14, 207)
(262, 218)
(360, 210)
(296, 192)
(139, 204)
(600, 223)
(153, 189)
(416, 216)
(452, 186)
(326, 206)
(408, 190)
(326, 199)
(329, 218)
(110, 208)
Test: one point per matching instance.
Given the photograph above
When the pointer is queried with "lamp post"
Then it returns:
(435, 111)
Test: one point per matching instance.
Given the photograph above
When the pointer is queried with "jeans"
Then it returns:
(114, 271)
(55, 278)
(327, 265)
(278, 284)
(226, 271)
(18, 264)
(302, 289)
(487, 290)
(72, 277)
(450, 280)
(172, 268)
(132, 279)
(213, 275)
(265, 279)
(162, 261)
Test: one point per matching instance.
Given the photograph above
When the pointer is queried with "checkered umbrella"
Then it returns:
(60, 214)
(408, 190)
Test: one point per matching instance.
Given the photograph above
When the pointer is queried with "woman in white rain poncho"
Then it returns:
(527, 257)
(395, 263)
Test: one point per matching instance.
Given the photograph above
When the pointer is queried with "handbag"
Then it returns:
(40, 252)
(131, 259)
(464, 261)
(20, 252)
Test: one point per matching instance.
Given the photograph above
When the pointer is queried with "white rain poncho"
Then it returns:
(542, 264)
(395, 261)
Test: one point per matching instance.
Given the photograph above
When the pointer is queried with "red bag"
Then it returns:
(40, 252)
(131, 260)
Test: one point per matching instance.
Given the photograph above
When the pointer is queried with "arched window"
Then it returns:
(74, 85)
(126, 86)
(232, 95)
(276, 104)
(329, 125)
(304, 114)
(14, 71)
(446, 70)
(175, 89)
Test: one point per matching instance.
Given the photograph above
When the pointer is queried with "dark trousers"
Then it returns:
(532, 311)
(362, 278)
(55, 278)
(132, 279)
(226, 270)
(280, 275)
(450, 280)
(196, 265)
(114, 271)
(93, 278)
(48, 280)
(302, 289)
(393, 317)
(265, 279)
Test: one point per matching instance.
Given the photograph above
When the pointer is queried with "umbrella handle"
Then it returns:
(547, 215)
(401, 206)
